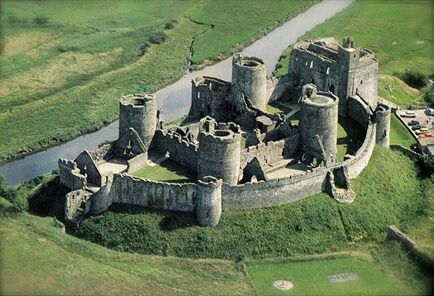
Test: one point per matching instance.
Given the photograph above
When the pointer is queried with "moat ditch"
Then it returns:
(175, 98)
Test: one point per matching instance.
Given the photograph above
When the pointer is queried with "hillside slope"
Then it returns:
(37, 258)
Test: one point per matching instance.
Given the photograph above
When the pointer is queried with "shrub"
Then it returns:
(427, 163)
(65, 48)
(158, 38)
(5, 206)
(429, 96)
(170, 25)
(2, 44)
(7, 192)
(20, 203)
(413, 78)
(40, 20)
(144, 48)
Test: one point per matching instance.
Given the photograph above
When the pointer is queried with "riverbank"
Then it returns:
(79, 82)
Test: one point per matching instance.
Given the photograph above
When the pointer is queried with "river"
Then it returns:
(175, 98)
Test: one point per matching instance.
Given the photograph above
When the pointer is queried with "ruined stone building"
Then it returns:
(280, 162)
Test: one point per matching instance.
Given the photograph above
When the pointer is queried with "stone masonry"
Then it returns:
(282, 162)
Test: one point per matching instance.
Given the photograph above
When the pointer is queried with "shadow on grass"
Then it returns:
(169, 221)
(354, 135)
(49, 199)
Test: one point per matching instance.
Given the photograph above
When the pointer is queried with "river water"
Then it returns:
(175, 98)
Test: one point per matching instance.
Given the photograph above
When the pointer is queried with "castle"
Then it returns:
(281, 162)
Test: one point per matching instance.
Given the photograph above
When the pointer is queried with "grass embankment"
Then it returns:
(421, 230)
(388, 192)
(399, 134)
(167, 171)
(400, 34)
(37, 258)
(63, 77)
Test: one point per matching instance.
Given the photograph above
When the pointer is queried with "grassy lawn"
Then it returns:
(399, 134)
(38, 259)
(388, 192)
(167, 171)
(84, 58)
(276, 108)
(396, 91)
(234, 24)
(310, 278)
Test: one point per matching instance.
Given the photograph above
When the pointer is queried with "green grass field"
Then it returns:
(310, 277)
(167, 171)
(88, 54)
(38, 259)
(388, 192)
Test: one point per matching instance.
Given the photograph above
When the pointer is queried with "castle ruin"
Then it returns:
(281, 162)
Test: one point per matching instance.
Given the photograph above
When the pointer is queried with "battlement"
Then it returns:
(250, 63)
(320, 99)
(249, 79)
(137, 100)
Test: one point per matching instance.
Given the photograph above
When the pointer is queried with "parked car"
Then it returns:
(413, 122)
(423, 130)
(410, 114)
(430, 111)
(416, 127)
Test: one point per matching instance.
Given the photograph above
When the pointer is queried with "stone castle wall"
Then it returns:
(180, 148)
(359, 111)
(207, 94)
(88, 166)
(271, 152)
(70, 175)
(126, 189)
(356, 164)
(274, 192)
(277, 88)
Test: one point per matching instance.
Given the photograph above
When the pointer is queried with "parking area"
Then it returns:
(416, 121)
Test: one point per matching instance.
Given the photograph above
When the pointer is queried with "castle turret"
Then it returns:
(249, 76)
(209, 201)
(137, 124)
(318, 124)
(358, 74)
(382, 121)
(219, 151)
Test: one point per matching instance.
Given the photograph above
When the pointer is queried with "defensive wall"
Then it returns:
(216, 156)
(271, 152)
(181, 149)
(126, 189)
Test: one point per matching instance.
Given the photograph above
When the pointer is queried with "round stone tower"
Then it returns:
(219, 155)
(319, 124)
(137, 119)
(209, 201)
(249, 75)
(382, 121)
